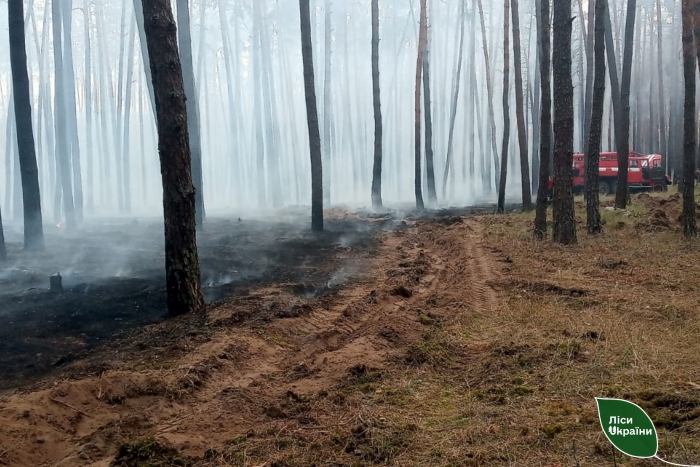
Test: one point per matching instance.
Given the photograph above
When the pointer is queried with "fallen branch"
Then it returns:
(70, 407)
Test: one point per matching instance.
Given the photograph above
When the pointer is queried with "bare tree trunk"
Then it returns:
(506, 110)
(62, 144)
(596, 133)
(613, 74)
(455, 98)
(257, 108)
(422, 39)
(663, 146)
(536, 103)
(690, 9)
(427, 110)
(71, 107)
(183, 276)
(185, 43)
(138, 9)
(127, 120)
(327, 107)
(545, 121)
(31, 198)
(377, 105)
(564, 225)
(589, 73)
(623, 145)
(489, 92)
(520, 112)
(88, 107)
(312, 119)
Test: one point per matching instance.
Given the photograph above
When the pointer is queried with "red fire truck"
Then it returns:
(646, 173)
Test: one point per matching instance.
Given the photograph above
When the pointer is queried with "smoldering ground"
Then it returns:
(114, 282)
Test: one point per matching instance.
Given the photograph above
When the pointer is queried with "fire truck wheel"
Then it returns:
(603, 189)
(658, 188)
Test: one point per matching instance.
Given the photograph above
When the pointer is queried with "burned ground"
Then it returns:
(460, 341)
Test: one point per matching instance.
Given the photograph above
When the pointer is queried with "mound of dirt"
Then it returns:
(663, 213)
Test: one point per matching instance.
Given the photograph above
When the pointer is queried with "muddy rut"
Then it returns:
(256, 376)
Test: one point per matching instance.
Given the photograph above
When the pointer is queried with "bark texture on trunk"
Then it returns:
(520, 112)
(312, 119)
(623, 144)
(31, 198)
(377, 105)
(183, 277)
(422, 37)
(187, 65)
(489, 95)
(506, 111)
(589, 38)
(596, 133)
(564, 225)
(690, 229)
(545, 121)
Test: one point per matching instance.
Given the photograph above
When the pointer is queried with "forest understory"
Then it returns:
(450, 340)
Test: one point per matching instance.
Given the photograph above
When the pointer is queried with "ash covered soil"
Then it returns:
(114, 280)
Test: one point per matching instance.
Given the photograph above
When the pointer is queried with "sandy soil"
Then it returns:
(458, 341)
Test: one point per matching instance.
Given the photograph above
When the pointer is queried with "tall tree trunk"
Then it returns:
(564, 225)
(614, 76)
(31, 198)
(427, 110)
(663, 146)
(520, 112)
(422, 39)
(455, 98)
(377, 105)
(623, 145)
(74, 141)
(183, 277)
(596, 133)
(312, 119)
(327, 107)
(690, 229)
(489, 92)
(258, 107)
(506, 110)
(138, 9)
(185, 42)
(88, 108)
(589, 73)
(126, 158)
(62, 144)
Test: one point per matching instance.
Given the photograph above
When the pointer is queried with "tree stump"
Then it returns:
(56, 283)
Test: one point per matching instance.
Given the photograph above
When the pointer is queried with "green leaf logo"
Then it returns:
(628, 427)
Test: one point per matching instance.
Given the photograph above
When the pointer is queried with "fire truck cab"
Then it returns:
(645, 173)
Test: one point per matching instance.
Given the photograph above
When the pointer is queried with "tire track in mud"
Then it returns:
(371, 322)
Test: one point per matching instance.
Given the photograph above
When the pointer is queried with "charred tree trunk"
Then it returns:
(545, 121)
(623, 145)
(183, 276)
(593, 155)
(31, 198)
(690, 228)
(520, 112)
(312, 119)
(185, 42)
(377, 103)
(506, 112)
(564, 226)
(422, 39)
(427, 110)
